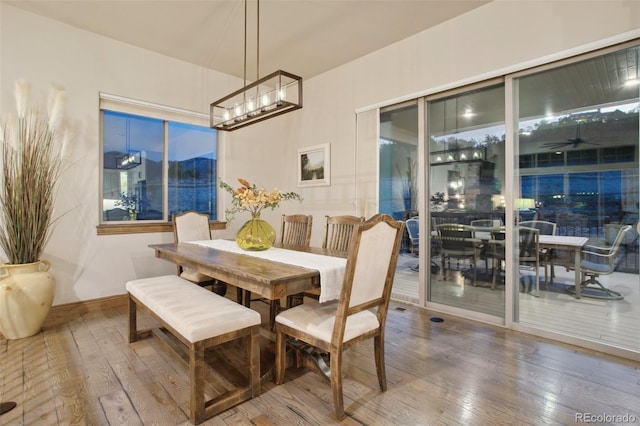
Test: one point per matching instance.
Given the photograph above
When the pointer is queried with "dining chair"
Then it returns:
(361, 311)
(194, 226)
(458, 242)
(338, 231)
(547, 256)
(296, 229)
(600, 260)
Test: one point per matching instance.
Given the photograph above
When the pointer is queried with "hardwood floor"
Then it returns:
(80, 370)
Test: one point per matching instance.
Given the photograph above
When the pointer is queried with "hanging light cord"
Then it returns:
(258, 40)
(245, 42)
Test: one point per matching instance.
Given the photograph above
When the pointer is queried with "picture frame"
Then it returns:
(314, 165)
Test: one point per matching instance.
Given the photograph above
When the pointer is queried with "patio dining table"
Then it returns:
(560, 242)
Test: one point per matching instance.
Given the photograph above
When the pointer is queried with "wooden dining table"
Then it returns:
(268, 279)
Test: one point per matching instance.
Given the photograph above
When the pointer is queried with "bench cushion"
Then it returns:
(194, 312)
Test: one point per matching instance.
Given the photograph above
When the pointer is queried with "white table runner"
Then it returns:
(331, 268)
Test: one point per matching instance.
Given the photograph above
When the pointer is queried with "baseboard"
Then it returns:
(120, 299)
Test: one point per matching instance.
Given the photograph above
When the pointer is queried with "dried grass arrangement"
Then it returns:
(31, 167)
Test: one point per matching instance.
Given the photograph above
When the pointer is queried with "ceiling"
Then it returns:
(309, 37)
(303, 37)
(580, 89)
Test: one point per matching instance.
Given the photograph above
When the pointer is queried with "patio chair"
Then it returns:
(528, 253)
(547, 256)
(485, 223)
(360, 313)
(458, 242)
(412, 226)
(600, 260)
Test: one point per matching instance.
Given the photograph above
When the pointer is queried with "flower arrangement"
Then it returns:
(127, 201)
(31, 167)
(252, 199)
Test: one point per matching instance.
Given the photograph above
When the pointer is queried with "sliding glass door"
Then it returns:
(576, 143)
(466, 141)
(398, 188)
(553, 148)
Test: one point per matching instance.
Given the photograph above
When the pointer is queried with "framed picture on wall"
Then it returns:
(314, 165)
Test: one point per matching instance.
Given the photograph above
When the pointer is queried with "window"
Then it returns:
(398, 152)
(138, 149)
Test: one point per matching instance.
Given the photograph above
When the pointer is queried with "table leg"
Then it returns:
(576, 263)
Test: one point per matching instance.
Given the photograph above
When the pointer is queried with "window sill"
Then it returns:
(142, 227)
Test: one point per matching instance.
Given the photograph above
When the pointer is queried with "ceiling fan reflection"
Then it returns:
(571, 142)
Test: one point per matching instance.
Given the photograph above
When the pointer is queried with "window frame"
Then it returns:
(167, 114)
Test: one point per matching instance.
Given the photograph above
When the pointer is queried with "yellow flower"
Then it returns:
(250, 198)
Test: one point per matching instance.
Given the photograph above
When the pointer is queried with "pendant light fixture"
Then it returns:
(277, 93)
(131, 158)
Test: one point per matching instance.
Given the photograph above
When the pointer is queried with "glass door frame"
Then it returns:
(426, 217)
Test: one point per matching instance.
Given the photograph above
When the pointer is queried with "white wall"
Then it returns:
(501, 36)
(88, 266)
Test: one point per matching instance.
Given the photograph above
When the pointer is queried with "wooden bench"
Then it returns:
(200, 319)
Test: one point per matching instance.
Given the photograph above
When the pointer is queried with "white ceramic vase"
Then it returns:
(26, 295)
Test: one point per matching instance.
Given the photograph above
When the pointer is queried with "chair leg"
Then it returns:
(493, 281)
(475, 271)
(335, 360)
(378, 344)
(605, 293)
(546, 275)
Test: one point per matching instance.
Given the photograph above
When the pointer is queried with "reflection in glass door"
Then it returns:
(577, 158)
(466, 138)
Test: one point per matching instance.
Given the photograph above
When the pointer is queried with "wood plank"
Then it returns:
(119, 410)
(268, 279)
(438, 373)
